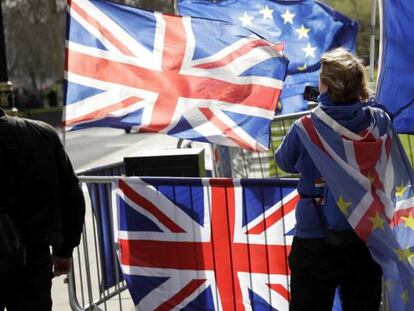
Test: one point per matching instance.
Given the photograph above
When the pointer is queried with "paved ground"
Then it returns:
(59, 295)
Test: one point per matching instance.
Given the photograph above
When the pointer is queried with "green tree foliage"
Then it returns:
(35, 32)
(360, 11)
(35, 38)
(34, 41)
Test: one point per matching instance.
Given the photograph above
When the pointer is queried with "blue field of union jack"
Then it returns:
(192, 78)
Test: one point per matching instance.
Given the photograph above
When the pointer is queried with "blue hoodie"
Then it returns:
(292, 157)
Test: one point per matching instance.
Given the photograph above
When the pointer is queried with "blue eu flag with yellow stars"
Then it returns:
(372, 182)
(306, 28)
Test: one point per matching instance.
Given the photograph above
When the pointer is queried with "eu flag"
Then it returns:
(307, 28)
(395, 89)
(371, 180)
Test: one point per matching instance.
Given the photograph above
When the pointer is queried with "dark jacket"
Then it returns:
(47, 201)
(292, 157)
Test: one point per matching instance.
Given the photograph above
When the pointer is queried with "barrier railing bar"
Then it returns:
(215, 166)
(107, 297)
(260, 164)
(284, 129)
(409, 146)
(291, 115)
(215, 294)
(114, 253)
(103, 167)
(80, 276)
(265, 219)
(170, 180)
(246, 172)
(245, 220)
(285, 240)
(97, 258)
(237, 172)
(87, 270)
(73, 300)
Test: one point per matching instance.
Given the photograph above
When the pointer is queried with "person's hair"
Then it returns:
(344, 75)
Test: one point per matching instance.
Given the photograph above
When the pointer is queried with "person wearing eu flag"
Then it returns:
(326, 253)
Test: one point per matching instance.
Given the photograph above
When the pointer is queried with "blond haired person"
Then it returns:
(326, 253)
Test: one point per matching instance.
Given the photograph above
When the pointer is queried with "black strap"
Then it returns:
(318, 211)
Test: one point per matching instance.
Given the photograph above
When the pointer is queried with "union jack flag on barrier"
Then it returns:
(205, 244)
(371, 180)
(192, 78)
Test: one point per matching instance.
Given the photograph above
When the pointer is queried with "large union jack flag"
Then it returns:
(191, 78)
(205, 244)
(371, 180)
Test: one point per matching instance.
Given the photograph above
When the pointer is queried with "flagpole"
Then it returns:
(63, 123)
(6, 87)
(385, 299)
(372, 42)
(174, 3)
(381, 41)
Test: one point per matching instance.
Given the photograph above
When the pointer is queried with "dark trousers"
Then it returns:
(29, 288)
(318, 268)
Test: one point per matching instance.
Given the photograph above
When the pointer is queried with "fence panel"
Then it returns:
(96, 281)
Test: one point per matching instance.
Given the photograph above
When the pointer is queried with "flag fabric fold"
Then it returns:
(191, 78)
(205, 244)
(307, 28)
(395, 89)
(371, 179)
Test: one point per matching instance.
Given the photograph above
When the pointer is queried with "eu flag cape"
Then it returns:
(371, 180)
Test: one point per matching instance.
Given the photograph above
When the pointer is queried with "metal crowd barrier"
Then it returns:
(96, 282)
